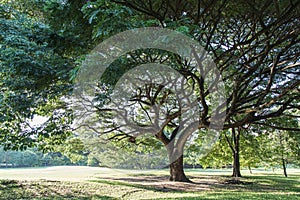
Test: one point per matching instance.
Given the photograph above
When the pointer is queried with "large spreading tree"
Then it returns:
(255, 47)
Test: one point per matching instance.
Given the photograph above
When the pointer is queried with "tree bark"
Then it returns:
(236, 165)
(175, 153)
(177, 172)
(236, 154)
(284, 167)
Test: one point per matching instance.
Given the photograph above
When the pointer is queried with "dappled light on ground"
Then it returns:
(77, 182)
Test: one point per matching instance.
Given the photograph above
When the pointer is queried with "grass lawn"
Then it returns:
(102, 183)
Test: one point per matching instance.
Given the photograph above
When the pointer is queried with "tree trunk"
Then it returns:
(281, 139)
(236, 154)
(175, 153)
(284, 167)
(177, 172)
(236, 165)
(250, 170)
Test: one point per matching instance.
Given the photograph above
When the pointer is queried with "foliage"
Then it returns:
(36, 59)
(32, 158)
(108, 18)
(74, 149)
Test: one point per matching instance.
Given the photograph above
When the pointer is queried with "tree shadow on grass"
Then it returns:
(268, 183)
(240, 195)
(271, 182)
(160, 183)
(206, 183)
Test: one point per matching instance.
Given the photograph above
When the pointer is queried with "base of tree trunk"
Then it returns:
(177, 172)
(236, 170)
(236, 174)
(180, 179)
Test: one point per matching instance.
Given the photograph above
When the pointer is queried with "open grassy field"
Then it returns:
(101, 183)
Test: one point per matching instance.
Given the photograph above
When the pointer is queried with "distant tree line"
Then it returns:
(32, 158)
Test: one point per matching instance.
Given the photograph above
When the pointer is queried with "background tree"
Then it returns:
(280, 147)
(32, 157)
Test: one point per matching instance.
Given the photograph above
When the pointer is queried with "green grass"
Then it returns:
(101, 183)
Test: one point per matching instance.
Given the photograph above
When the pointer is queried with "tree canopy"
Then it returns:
(255, 47)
